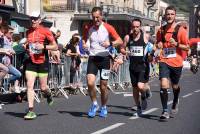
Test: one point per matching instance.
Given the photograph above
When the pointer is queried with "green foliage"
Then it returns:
(182, 5)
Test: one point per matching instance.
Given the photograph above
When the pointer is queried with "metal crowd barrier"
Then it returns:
(59, 78)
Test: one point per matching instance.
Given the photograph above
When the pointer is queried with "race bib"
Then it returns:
(136, 51)
(105, 74)
(169, 52)
(33, 50)
(198, 46)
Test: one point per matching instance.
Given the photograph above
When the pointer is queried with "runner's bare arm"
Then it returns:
(117, 42)
(123, 47)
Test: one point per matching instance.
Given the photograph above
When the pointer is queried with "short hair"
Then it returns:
(170, 8)
(138, 20)
(94, 9)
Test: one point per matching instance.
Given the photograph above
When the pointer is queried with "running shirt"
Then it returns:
(138, 51)
(35, 36)
(195, 42)
(172, 55)
(95, 37)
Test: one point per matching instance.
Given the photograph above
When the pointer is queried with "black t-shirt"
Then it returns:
(73, 50)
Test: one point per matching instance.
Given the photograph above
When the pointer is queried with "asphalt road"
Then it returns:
(70, 116)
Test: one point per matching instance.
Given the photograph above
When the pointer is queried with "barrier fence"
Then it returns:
(59, 78)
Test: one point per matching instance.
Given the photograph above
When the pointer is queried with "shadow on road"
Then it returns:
(151, 117)
(20, 115)
(76, 114)
(121, 107)
(122, 113)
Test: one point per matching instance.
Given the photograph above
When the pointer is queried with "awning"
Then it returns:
(118, 16)
(8, 13)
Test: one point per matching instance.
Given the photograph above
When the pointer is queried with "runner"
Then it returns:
(96, 40)
(194, 54)
(139, 54)
(171, 60)
(38, 62)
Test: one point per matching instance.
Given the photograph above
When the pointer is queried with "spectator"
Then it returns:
(73, 51)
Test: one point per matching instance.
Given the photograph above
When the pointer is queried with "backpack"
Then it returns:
(183, 53)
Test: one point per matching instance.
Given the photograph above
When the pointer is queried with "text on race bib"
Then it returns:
(105, 74)
(33, 50)
(169, 52)
(136, 51)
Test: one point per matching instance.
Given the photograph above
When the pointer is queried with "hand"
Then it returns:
(150, 58)
(12, 52)
(160, 45)
(173, 42)
(39, 46)
(55, 56)
(106, 44)
(8, 53)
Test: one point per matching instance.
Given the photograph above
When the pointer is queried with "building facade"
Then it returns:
(70, 15)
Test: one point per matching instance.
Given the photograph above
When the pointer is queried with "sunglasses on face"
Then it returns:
(34, 18)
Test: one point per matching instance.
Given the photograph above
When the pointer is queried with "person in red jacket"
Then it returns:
(37, 66)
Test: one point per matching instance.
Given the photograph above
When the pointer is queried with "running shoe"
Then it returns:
(92, 111)
(103, 112)
(174, 109)
(138, 112)
(164, 116)
(30, 116)
(143, 101)
(50, 100)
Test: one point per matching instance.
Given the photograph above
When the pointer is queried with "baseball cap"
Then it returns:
(35, 14)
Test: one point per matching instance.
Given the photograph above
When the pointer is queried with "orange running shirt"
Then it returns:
(172, 55)
(34, 36)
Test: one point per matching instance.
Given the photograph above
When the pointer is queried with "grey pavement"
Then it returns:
(70, 116)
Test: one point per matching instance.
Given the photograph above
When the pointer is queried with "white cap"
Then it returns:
(35, 14)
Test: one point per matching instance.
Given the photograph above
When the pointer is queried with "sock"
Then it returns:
(176, 96)
(164, 98)
(104, 106)
(95, 103)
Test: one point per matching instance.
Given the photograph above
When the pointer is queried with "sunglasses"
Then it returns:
(34, 18)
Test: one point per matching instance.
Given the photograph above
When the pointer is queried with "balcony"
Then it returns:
(112, 12)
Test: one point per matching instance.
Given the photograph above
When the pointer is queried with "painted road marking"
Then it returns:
(184, 96)
(108, 128)
(197, 91)
(146, 112)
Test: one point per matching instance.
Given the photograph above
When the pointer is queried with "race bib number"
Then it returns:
(33, 50)
(136, 50)
(198, 46)
(169, 52)
(105, 74)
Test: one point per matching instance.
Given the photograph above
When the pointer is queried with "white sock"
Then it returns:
(103, 106)
(95, 103)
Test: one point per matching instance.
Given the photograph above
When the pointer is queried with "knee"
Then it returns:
(163, 91)
(19, 75)
(175, 86)
(140, 86)
(43, 86)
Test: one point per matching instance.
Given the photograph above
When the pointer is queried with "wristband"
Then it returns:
(177, 45)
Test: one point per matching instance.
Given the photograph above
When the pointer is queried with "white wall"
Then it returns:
(63, 22)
